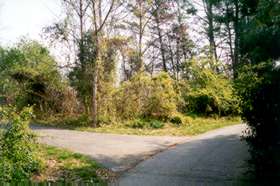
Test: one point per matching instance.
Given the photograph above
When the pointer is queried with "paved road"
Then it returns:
(116, 152)
(214, 158)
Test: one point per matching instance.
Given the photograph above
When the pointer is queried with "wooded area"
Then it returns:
(150, 62)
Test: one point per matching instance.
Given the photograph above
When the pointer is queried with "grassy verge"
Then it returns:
(197, 126)
(194, 126)
(60, 165)
(63, 166)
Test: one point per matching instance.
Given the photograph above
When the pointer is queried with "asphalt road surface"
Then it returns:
(116, 152)
(215, 158)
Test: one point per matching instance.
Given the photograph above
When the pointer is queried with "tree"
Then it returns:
(98, 23)
(169, 36)
(228, 15)
(207, 92)
(88, 19)
(138, 25)
(257, 82)
(210, 30)
(29, 76)
(160, 15)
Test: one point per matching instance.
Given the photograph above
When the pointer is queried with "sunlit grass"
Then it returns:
(195, 126)
(61, 165)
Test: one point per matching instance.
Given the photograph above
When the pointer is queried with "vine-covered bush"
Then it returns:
(148, 97)
(29, 76)
(18, 151)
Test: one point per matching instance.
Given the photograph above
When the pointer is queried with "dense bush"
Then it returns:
(67, 121)
(144, 96)
(146, 123)
(18, 153)
(259, 89)
(209, 93)
(77, 121)
(177, 120)
(155, 124)
(161, 102)
(29, 76)
(137, 124)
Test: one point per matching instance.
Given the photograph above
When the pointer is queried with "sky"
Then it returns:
(26, 18)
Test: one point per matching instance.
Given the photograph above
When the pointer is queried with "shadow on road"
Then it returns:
(210, 160)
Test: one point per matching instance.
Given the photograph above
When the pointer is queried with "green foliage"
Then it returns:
(144, 96)
(177, 120)
(261, 30)
(190, 126)
(258, 84)
(67, 121)
(187, 120)
(208, 93)
(29, 76)
(105, 120)
(259, 89)
(162, 100)
(250, 78)
(146, 123)
(155, 124)
(83, 120)
(138, 124)
(61, 165)
(18, 148)
(131, 97)
(81, 76)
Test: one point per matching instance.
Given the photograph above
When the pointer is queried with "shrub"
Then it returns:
(18, 151)
(177, 120)
(210, 93)
(66, 121)
(145, 123)
(137, 124)
(161, 102)
(104, 120)
(148, 97)
(77, 121)
(155, 124)
(187, 120)
(259, 89)
(131, 96)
